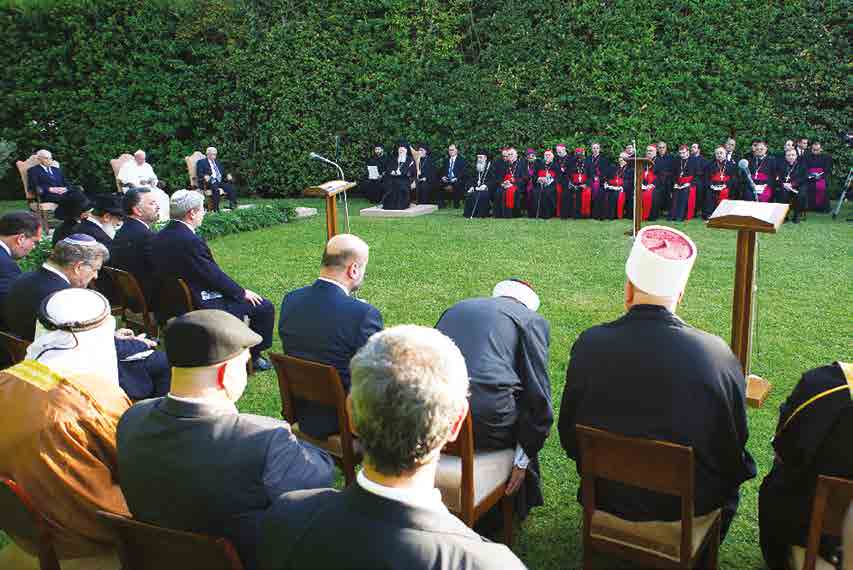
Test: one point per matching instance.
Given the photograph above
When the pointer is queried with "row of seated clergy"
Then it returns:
(504, 340)
(73, 263)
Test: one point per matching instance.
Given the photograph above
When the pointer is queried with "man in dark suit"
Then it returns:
(409, 398)
(307, 333)
(47, 179)
(649, 374)
(210, 170)
(179, 253)
(190, 461)
(74, 262)
(132, 246)
(453, 173)
(19, 234)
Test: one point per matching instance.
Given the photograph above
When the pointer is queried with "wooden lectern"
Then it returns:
(328, 191)
(747, 218)
(639, 165)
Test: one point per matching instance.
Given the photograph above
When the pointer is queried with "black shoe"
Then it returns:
(261, 364)
(796, 219)
(233, 205)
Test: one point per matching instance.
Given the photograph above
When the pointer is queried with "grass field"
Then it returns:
(418, 267)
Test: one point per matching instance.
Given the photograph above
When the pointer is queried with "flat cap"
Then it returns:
(206, 337)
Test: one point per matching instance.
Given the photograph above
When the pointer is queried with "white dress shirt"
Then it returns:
(420, 498)
(344, 289)
(53, 269)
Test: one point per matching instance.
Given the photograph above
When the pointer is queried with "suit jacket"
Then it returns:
(38, 180)
(9, 270)
(460, 168)
(132, 251)
(178, 253)
(356, 529)
(25, 297)
(202, 168)
(92, 229)
(204, 468)
(691, 393)
(305, 333)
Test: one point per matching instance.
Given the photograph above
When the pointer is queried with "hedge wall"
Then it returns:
(266, 81)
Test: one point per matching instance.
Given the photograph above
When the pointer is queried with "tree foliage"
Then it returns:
(268, 80)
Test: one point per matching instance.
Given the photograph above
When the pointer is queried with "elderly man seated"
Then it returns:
(813, 437)
(210, 170)
(649, 374)
(48, 181)
(137, 173)
(75, 262)
(58, 415)
(190, 461)
(179, 253)
(409, 397)
(505, 343)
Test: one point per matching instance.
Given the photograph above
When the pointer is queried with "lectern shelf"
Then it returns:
(329, 190)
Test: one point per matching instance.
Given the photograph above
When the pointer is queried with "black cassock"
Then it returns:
(814, 440)
(543, 200)
(398, 183)
(794, 175)
(477, 201)
(596, 168)
(721, 183)
(373, 189)
(648, 374)
(618, 183)
(426, 181)
(507, 202)
(505, 346)
(686, 182)
(819, 169)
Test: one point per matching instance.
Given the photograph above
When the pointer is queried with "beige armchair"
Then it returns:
(195, 183)
(117, 163)
(34, 202)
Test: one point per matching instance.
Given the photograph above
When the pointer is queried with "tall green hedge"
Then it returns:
(268, 80)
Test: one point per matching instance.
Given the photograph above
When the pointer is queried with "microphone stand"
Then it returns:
(316, 156)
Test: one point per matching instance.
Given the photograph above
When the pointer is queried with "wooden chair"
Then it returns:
(116, 164)
(34, 203)
(472, 482)
(173, 299)
(833, 496)
(195, 183)
(321, 384)
(657, 466)
(144, 546)
(130, 295)
(20, 519)
(15, 348)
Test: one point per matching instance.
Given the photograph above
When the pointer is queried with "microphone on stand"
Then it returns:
(315, 156)
(743, 165)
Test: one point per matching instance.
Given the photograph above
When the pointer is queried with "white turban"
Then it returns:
(518, 290)
(660, 261)
(79, 338)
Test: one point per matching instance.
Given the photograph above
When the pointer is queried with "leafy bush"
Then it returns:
(215, 225)
(266, 81)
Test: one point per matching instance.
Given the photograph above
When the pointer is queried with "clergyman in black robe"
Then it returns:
(480, 185)
(400, 173)
(511, 175)
(819, 169)
(791, 184)
(618, 180)
(373, 187)
(427, 176)
(543, 192)
(648, 374)
(505, 345)
(813, 437)
(721, 182)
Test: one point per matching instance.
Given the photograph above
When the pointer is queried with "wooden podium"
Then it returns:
(328, 191)
(639, 165)
(747, 218)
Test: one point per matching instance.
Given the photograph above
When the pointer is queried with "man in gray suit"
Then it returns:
(408, 398)
(190, 461)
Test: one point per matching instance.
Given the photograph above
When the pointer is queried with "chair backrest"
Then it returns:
(15, 347)
(191, 161)
(655, 465)
(130, 295)
(463, 448)
(23, 167)
(116, 164)
(144, 546)
(173, 298)
(833, 495)
(20, 519)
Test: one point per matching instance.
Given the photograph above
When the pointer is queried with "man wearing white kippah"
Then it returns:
(179, 253)
(59, 410)
(505, 343)
(649, 374)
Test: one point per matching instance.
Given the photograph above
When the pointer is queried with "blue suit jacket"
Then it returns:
(178, 253)
(202, 167)
(323, 324)
(132, 252)
(9, 270)
(39, 180)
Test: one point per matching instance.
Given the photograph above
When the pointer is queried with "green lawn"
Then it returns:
(418, 267)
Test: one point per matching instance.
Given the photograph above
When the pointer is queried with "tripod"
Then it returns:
(845, 188)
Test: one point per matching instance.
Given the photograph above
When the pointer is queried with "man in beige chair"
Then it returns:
(649, 374)
(137, 173)
(59, 410)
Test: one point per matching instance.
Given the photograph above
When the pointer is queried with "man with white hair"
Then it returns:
(137, 173)
(179, 253)
(505, 343)
(59, 410)
(409, 398)
(216, 179)
(46, 178)
(649, 374)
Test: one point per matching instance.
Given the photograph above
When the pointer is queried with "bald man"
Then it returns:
(307, 331)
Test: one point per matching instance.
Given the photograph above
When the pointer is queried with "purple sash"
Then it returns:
(819, 189)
